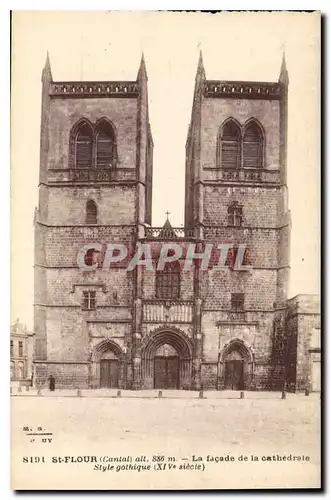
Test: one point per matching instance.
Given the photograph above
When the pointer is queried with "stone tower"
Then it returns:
(236, 194)
(95, 185)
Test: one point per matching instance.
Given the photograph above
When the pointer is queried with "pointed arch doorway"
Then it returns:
(109, 370)
(108, 366)
(167, 360)
(236, 370)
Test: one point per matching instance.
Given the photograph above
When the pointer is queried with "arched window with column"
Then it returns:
(253, 145)
(229, 148)
(167, 282)
(92, 145)
(240, 146)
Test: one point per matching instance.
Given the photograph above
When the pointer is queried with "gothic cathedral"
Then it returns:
(214, 329)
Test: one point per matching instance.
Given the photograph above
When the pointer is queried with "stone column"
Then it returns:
(197, 354)
(136, 367)
(136, 345)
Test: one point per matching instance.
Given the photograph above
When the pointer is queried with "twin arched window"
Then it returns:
(241, 146)
(93, 146)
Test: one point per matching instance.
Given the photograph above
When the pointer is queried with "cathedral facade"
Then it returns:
(212, 329)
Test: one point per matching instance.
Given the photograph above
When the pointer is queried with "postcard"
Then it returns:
(165, 173)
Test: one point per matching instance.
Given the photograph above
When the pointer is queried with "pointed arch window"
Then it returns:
(230, 145)
(241, 147)
(91, 212)
(84, 146)
(168, 281)
(253, 146)
(105, 145)
(92, 145)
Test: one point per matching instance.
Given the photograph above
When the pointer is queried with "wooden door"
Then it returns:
(234, 375)
(172, 372)
(160, 372)
(109, 373)
(166, 371)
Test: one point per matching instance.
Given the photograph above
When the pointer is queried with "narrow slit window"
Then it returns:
(91, 212)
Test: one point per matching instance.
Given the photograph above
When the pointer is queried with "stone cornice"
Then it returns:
(243, 90)
(128, 89)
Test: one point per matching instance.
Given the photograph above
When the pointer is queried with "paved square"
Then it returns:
(261, 425)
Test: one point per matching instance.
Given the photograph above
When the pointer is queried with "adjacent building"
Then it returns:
(303, 361)
(21, 353)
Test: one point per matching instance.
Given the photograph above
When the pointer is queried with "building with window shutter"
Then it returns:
(21, 353)
(172, 329)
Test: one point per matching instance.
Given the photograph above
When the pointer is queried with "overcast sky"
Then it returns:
(108, 46)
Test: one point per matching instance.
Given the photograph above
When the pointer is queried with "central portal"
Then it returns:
(166, 368)
(166, 357)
